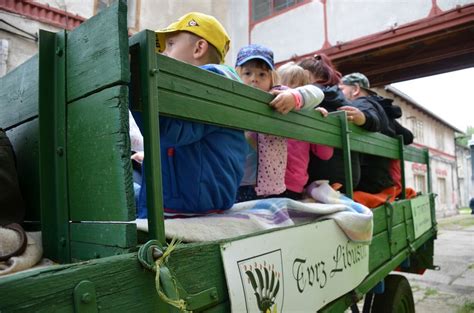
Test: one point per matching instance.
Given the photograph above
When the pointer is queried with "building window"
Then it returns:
(265, 8)
(417, 127)
(462, 191)
(442, 190)
(133, 16)
(461, 171)
(420, 183)
(440, 140)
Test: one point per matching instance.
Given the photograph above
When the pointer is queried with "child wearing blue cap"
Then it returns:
(265, 166)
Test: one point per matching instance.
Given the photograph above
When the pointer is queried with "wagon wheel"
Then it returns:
(397, 297)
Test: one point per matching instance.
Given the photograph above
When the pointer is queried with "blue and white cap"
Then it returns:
(255, 51)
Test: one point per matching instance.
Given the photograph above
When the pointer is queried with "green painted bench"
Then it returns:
(75, 171)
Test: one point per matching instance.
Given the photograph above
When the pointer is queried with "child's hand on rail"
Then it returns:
(284, 102)
(322, 110)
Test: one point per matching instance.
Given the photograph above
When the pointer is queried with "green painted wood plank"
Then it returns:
(380, 217)
(176, 68)
(379, 220)
(402, 232)
(24, 139)
(375, 276)
(97, 52)
(19, 94)
(398, 214)
(122, 284)
(206, 258)
(268, 122)
(379, 251)
(235, 105)
(405, 205)
(119, 282)
(220, 308)
(118, 235)
(188, 92)
(83, 251)
(410, 231)
(399, 238)
(99, 167)
(413, 154)
(373, 143)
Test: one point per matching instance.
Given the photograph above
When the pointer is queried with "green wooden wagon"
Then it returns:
(66, 112)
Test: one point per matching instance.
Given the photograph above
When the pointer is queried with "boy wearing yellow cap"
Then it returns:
(202, 165)
(201, 39)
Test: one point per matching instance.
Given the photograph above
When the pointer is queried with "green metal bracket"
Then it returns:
(433, 214)
(406, 212)
(202, 300)
(174, 290)
(52, 146)
(85, 300)
(149, 252)
(401, 147)
(346, 149)
(389, 216)
(428, 169)
(147, 255)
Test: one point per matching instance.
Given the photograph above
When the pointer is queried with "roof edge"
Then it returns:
(418, 106)
(460, 15)
(43, 13)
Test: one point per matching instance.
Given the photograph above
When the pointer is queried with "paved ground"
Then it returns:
(451, 289)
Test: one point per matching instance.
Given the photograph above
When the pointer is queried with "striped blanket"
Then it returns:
(258, 215)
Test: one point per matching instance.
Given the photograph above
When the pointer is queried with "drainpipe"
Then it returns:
(3, 56)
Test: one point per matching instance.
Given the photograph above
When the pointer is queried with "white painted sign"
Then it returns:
(299, 269)
(421, 212)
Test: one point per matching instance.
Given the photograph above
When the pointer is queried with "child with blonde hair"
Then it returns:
(324, 75)
(296, 175)
(265, 166)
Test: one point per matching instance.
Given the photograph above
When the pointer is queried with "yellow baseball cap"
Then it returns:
(202, 25)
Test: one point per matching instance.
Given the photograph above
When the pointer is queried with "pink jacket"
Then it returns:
(296, 175)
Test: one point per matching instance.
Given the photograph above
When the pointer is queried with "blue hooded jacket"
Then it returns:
(202, 165)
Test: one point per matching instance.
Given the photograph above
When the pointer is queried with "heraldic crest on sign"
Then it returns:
(262, 281)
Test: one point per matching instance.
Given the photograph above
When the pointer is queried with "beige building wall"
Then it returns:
(463, 158)
(295, 31)
(18, 43)
(430, 133)
(233, 14)
(301, 30)
(155, 14)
